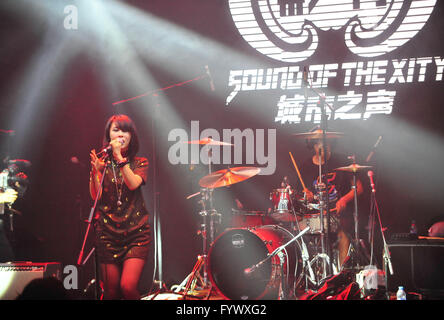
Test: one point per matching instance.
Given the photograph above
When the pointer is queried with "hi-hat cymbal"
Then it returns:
(354, 168)
(226, 177)
(317, 135)
(209, 141)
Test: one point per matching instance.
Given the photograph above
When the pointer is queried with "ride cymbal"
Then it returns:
(318, 135)
(226, 177)
(354, 168)
(209, 141)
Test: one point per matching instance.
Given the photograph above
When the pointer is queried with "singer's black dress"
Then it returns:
(122, 232)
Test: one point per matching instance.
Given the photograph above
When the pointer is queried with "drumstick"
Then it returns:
(297, 170)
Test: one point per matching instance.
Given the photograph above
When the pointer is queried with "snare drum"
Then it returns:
(249, 219)
(235, 250)
(314, 222)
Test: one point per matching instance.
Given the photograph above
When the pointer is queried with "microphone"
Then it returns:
(109, 148)
(305, 82)
(250, 270)
(207, 70)
(370, 155)
(106, 150)
(372, 183)
(247, 271)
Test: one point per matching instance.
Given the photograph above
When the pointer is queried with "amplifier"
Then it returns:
(16, 275)
(418, 265)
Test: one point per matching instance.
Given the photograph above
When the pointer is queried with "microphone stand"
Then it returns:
(386, 253)
(91, 216)
(276, 251)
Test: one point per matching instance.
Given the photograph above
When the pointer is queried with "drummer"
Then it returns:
(340, 189)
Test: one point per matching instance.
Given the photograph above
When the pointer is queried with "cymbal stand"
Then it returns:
(356, 242)
(323, 193)
(325, 237)
(306, 265)
(207, 238)
(283, 290)
(213, 214)
(204, 232)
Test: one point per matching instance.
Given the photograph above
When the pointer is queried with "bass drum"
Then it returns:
(237, 249)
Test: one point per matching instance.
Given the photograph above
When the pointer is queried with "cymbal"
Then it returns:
(317, 135)
(209, 141)
(354, 168)
(226, 177)
(8, 196)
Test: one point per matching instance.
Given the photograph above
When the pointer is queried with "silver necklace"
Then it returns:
(118, 190)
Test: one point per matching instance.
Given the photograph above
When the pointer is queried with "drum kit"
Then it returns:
(277, 254)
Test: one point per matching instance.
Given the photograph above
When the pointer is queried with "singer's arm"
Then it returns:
(131, 179)
(94, 183)
(95, 177)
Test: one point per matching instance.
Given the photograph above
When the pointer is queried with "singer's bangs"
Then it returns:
(123, 123)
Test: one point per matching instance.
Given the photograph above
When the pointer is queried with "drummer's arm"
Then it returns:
(309, 197)
(341, 204)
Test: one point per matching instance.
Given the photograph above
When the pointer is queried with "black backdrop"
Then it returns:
(58, 87)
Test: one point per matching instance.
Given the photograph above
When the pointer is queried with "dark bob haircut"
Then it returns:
(124, 123)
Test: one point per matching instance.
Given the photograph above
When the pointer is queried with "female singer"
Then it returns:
(121, 222)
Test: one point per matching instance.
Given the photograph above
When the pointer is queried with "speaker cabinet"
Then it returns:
(15, 276)
(418, 265)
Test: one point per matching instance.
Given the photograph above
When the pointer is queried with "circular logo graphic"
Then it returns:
(287, 30)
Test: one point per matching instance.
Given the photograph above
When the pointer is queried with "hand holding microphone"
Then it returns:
(115, 146)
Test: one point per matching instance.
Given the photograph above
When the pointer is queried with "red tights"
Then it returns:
(121, 281)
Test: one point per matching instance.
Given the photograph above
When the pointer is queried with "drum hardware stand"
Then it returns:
(307, 264)
(202, 260)
(195, 276)
(304, 252)
(325, 237)
(356, 245)
(386, 253)
(322, 206)
(252, 269)
(283, 290)
(208, 216)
